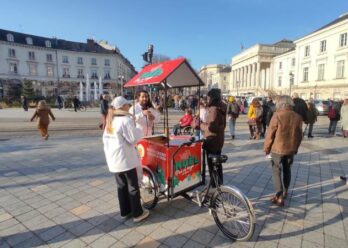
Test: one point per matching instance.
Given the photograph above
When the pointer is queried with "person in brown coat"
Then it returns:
(214, 130)
(283, 139)
(42, 114)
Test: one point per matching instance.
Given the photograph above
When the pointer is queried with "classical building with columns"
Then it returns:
(317, 68)
(215, 76)
(56, 66)
(251, 68)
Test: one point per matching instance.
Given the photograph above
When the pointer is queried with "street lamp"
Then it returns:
(291, 75)
(121, 79)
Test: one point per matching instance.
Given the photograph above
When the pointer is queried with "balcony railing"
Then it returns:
(80, 76)
(66, 76)
(94, 77)
(107, 77)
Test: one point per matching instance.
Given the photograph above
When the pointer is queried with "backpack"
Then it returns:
(332, 113)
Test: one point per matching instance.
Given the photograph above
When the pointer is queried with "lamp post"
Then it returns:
(121, 79)
(291, 75)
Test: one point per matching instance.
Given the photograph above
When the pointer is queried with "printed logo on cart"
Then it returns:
(141, 150)
(155, 72)
(187, 168)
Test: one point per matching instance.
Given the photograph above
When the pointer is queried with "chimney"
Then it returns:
(90, 44)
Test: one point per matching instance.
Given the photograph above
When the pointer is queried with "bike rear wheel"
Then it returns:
(233, 213)
(83, 108)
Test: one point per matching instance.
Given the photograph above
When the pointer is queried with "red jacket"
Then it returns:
(186, 120)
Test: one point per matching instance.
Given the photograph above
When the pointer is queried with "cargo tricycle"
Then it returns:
(175, 165)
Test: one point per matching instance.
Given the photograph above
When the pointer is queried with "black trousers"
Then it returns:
(211, 171)
(281, 163)
(128, 193)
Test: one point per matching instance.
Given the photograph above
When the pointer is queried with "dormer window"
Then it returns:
(29, 40)
(48, 43)
(10, 37)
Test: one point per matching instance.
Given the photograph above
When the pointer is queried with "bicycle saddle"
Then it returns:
(218, 159)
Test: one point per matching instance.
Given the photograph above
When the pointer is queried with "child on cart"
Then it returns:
(120, 137)
(184, 121)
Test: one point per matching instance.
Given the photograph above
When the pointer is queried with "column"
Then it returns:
(87, 88)
(250, 75)
(81, 92)
(95, 91)
(254, 74)
(258, 72)
(267, 78)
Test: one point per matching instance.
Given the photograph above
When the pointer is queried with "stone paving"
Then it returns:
(59, 193)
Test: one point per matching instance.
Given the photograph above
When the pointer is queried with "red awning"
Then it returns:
(177, 73)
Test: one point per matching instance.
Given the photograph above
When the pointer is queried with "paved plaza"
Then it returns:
(59, 193)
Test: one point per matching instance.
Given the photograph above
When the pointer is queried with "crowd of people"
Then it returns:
(281, 120)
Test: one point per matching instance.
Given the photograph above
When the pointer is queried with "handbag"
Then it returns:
(252, 122)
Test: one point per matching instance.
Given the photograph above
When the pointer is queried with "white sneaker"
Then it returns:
(269, 156)
(142, 217)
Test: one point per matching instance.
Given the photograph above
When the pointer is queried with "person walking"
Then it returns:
(255, 119)
(42, 114)
(300, 107)
(119, 139)
(334, 116)
(344, 118)
(214, 128)
(233, 114)
(59, 102)
(265, 110)
(282, 141)
(104, 106)
(145, 114)
(76, 103)
(312, 114)
(24, 103)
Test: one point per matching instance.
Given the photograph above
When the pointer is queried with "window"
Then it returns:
(66, 72)
(49, 57)
(80, 73)
(94, 61)
(48, 43)
(305, 74)
(32, 69)
(107, 62)
(340, 69)
(343, 39)
(79, 61)
(13, 68)
(293, 61)
(321, 72)
(107, 74)
(65, 59)
(50, 71)
(29, 40)
(11, 53)
(307, 51)
(280, 65)
(94, 74)
(322, 46)
(31, 56)
(279, 81)
(10, 37)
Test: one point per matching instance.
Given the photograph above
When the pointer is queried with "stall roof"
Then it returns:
(177, 73)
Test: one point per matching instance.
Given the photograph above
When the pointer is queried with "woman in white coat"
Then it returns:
(120, 137)
(145, 114)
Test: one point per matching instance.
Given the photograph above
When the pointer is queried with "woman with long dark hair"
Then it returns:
(145, 114)
(214, 130)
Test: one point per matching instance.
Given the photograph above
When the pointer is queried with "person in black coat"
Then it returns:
(300, 107)
(76, 103)
(24, 102)
(271, 109)
(265, 110)
(104, 106)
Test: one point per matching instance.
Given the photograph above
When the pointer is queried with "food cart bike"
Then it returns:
(175, 165)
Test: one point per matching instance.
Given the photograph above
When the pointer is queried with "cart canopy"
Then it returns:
(177, 73)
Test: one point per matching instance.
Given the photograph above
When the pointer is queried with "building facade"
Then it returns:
(251, 69)
(318, 65)
(215, 76)
(56, 66)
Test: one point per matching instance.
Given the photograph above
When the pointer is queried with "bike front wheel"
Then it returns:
(233, 213)
(149, 189)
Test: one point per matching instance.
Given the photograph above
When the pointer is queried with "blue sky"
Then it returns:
(204, 31)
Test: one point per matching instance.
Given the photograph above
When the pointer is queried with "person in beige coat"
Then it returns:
(42, 114)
